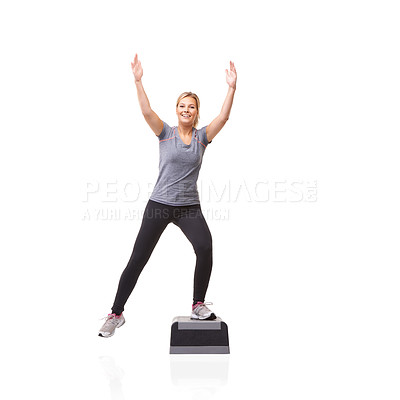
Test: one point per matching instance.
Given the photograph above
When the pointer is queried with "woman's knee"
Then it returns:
(204, 247)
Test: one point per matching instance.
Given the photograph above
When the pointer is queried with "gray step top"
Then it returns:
(185, 322)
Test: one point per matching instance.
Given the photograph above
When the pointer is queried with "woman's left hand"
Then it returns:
(231, 76)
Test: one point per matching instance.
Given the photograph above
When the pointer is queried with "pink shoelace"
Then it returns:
(109, 316)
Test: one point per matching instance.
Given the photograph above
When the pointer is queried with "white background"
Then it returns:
(309, 289)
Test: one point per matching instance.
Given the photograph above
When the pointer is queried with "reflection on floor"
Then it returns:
(202, 374)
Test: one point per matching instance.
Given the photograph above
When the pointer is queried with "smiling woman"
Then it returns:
(175, 197)
(188, 103)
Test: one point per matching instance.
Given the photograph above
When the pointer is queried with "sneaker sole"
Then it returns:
(211, 317)
(108, 336)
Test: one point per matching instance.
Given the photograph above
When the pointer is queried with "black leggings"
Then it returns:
(156, 217)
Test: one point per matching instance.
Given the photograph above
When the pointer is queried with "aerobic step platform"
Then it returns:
(190, 336)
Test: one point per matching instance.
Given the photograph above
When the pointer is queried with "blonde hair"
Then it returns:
(197, 100)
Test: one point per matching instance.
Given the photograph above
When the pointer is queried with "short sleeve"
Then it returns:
(203, 135)
(166, 132)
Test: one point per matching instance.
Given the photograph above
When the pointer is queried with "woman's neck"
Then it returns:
(185, 130)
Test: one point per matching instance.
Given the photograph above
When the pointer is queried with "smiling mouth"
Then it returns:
(185, 115)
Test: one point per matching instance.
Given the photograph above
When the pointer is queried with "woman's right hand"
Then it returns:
(137, 69)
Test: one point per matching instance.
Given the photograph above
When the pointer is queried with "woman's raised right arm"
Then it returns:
(150, 116)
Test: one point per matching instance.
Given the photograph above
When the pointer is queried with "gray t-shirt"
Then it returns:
(179, 167)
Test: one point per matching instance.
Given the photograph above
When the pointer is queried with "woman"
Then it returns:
(174, 198)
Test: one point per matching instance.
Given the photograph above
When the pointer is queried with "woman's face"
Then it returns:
(186, 110)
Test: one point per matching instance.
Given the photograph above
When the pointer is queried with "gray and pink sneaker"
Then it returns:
(201, 311)
(113, 321)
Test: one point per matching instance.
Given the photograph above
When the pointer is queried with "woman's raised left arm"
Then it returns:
(218, 123)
